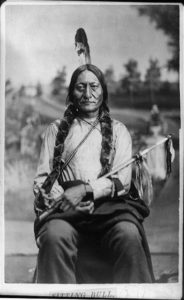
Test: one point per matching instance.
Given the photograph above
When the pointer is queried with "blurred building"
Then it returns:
(30, 91)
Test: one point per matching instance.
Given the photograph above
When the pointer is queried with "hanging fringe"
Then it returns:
(143, 181)
(168, 145)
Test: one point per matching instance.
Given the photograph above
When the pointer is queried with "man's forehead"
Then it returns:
(87, 76)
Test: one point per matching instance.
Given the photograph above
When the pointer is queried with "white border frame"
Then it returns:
(138, 291)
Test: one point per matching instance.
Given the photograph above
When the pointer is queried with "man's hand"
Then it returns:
(73, 196)
(86, 207)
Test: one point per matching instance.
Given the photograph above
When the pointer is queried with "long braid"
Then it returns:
(63, 131)
(106, 130)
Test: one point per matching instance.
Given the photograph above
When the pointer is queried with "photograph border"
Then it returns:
(138, 291)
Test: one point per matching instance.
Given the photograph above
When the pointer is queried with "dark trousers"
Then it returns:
(58, 243)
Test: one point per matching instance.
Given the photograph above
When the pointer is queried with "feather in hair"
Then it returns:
(82, 47)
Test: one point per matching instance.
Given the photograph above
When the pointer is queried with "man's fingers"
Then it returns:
(85, 203)
(85, 207)
(92, 208)
(65, 205)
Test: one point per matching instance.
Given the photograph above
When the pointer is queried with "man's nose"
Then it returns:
(88, 92)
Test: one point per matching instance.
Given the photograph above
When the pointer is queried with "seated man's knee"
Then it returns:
(57, 232)
(127, 233)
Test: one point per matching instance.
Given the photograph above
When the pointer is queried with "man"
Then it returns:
(103, 208)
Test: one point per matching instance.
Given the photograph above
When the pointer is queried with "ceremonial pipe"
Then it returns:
(135, 157)
(115, 170)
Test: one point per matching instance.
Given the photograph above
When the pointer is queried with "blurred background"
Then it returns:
(137, 48)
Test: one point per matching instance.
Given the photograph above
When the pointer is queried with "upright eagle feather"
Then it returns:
(82, 47)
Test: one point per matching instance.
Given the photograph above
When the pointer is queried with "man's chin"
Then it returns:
(89, 109)
(89, 106)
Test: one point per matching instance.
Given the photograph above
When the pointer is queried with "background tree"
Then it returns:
(8, 86)
(131, 81)
(110, 79)
(39, 89)
(165, 87)
(59, 82)
(22, 90)
(166, 18)
(152, 78)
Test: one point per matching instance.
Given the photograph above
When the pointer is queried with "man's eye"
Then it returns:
(94, 86)
(80, 88)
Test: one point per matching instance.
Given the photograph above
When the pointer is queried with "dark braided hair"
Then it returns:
(71, 113)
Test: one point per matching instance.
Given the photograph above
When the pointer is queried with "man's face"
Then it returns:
(88, 94)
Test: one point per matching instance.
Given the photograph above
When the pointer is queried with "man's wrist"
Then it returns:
(89, 191)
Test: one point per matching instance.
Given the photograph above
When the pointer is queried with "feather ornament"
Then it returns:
(143, 181)
(82, 47)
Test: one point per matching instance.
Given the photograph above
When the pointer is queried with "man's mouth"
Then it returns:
(88, 102)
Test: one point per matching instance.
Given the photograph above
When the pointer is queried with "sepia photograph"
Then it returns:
(91, 139)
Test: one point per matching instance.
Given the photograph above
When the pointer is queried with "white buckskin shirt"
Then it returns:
(86, 165)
